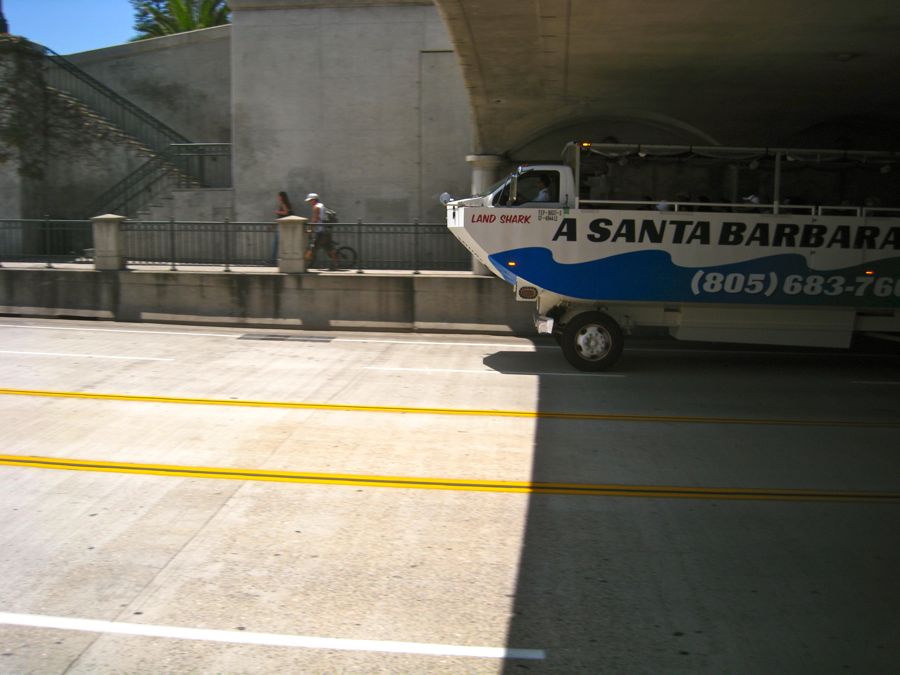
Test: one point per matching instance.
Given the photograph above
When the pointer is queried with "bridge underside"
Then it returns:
(699, 71)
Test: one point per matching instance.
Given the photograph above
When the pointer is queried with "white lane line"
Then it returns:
(676, 349)
(488, 372)
(237, 335)
(270, 639)
(87, 356)
(447, 344)
(432, 370)
(117, 330)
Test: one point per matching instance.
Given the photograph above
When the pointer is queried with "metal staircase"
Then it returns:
(173, 160)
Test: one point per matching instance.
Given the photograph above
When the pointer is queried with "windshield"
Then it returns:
(493, 187)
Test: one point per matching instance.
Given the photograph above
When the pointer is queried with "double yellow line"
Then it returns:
(532, 414)
(423, 483)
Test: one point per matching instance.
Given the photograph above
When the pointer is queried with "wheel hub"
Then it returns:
(592, 342)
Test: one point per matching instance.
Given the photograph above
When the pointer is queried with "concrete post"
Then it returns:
(109, 252)
(485, 170)
(292, 239)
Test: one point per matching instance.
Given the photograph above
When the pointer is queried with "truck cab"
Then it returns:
(541, 186)
(545, 186)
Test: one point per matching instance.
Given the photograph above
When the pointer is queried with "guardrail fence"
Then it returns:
(390, 246)
(46, 241)
(199, 243)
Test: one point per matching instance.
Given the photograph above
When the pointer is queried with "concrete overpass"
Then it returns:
(765, 72)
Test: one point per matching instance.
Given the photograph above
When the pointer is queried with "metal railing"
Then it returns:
(859, 211)
(742, 207)
(181, 165)
(64, 75)
(138, 189)
(199, 243)
(416, 246)
(46, 241)
(176, 162)
(209, 163)
(393, 246)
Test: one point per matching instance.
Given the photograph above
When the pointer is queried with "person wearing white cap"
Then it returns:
(321, 238)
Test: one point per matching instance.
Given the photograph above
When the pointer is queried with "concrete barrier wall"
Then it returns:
(311, 301)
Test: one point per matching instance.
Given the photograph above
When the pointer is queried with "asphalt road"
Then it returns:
(193, 499)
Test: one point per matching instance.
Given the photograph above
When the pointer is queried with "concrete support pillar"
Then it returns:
(292, 241)
(485, 172)
(109, 249)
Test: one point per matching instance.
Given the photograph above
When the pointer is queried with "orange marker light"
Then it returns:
(870, 273)
(511, 263)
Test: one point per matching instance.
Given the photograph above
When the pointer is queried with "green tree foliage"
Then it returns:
(153, 18)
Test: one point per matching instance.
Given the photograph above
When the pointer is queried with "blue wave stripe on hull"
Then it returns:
(652, 276)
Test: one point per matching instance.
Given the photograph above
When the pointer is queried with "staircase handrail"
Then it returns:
(168, 134)
(118, 197)
(172, 160)
(173, 152)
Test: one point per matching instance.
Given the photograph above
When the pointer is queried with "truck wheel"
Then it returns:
(592, 341)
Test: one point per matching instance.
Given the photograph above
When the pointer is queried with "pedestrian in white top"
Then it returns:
(321, 236)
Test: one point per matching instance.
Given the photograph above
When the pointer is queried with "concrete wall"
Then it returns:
(363, 104)
(22, 112)
(345, 301)
(183, 80)
(82, 159)
(192, 205)
(360, 101)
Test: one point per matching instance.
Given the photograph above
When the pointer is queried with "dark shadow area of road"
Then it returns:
(641, 585)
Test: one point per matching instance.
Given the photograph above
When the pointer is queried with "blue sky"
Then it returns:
(69, 26)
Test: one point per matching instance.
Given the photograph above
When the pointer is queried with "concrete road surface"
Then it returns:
(188, 499)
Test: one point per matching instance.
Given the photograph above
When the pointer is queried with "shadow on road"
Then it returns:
(654, 585)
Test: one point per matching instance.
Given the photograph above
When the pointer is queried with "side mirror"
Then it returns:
(445, 198)
(513, 189)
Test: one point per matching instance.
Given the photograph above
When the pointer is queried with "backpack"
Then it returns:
(330, 216)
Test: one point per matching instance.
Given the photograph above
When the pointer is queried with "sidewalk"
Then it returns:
(235, 269)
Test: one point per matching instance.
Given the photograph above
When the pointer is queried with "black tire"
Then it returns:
(592, 341)
(346, 258)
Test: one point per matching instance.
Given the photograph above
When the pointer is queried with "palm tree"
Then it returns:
(153, 18)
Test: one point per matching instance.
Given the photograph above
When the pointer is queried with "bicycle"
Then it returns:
(344, 256)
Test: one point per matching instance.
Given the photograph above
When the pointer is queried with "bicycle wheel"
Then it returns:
(346, 258)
